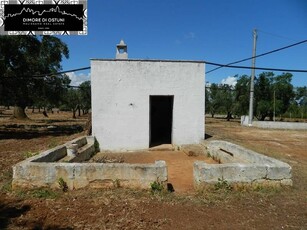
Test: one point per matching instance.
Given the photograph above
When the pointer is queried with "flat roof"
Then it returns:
(145, 60)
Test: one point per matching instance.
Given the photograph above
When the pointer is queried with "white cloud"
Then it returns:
(178, 42)
(186, 36)
(190, 35)
(77, 79)
(229, 81)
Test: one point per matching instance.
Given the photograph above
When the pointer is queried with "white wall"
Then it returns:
(120, 100)
(274, 124)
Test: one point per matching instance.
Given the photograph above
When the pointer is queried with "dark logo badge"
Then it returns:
(60, 17)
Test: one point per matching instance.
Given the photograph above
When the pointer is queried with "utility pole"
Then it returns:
(275, 105)
(251, 95)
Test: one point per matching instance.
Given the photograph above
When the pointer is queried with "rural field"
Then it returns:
(116, 208)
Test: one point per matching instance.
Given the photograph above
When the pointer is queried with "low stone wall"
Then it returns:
(43, 170)
(240, 165)
(274, 124)
(85, 147)
(96, 175)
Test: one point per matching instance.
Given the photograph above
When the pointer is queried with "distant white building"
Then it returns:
(137, 104)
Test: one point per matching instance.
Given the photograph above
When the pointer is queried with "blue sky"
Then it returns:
(212, 30)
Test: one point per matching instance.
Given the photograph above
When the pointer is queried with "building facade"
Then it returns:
(138, 104)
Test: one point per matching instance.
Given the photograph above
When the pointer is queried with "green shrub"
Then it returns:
(63, 185)
(222, 185)
(156, 186)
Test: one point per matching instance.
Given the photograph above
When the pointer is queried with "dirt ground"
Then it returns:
(117, 208)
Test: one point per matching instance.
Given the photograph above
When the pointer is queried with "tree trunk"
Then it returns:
(262, 117)
(74, 113)
(79, 111)
(89, 125)
(229, 116)
(19, 113)
(45, 113)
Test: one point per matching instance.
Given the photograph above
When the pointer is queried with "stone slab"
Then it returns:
(240, 165)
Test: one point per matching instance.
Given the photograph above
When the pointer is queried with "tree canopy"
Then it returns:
(23, 62)
(273, 95)
(78, 98)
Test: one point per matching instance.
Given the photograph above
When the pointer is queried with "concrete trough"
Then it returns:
(85, 149)
(45, 170)
(240, 165)
(274, 124)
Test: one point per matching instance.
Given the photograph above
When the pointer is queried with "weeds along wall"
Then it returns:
(121, 91)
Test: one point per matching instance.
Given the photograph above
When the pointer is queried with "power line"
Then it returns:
(277, 35)
(215, 64)
(206, 62)
(260, 55)
(51, 74)
(62, 72)
(41, 76)
(258, 68)
(222, 89)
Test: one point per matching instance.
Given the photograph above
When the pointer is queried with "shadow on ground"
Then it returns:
(34, 133)
(207, 136)
(8, 212)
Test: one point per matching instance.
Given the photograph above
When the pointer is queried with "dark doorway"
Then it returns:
(160, 120)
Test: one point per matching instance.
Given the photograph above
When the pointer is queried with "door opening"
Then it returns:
(160, 120)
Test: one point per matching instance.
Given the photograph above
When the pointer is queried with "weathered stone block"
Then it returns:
(35, 172)
(279, 172)
(250, 167)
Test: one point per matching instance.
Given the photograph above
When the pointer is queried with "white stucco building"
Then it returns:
(137, 104)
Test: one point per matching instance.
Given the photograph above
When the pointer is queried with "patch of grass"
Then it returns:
(6, 187)
(223, 185)
(44, 194)
(116, 183)
(21, 193)
(53, 143)
(267, 189)
(29, 154)
(210, 197)
(223, 193)
(6, 181)
(6, 175)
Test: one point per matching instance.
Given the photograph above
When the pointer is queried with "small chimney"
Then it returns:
(121, 50)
